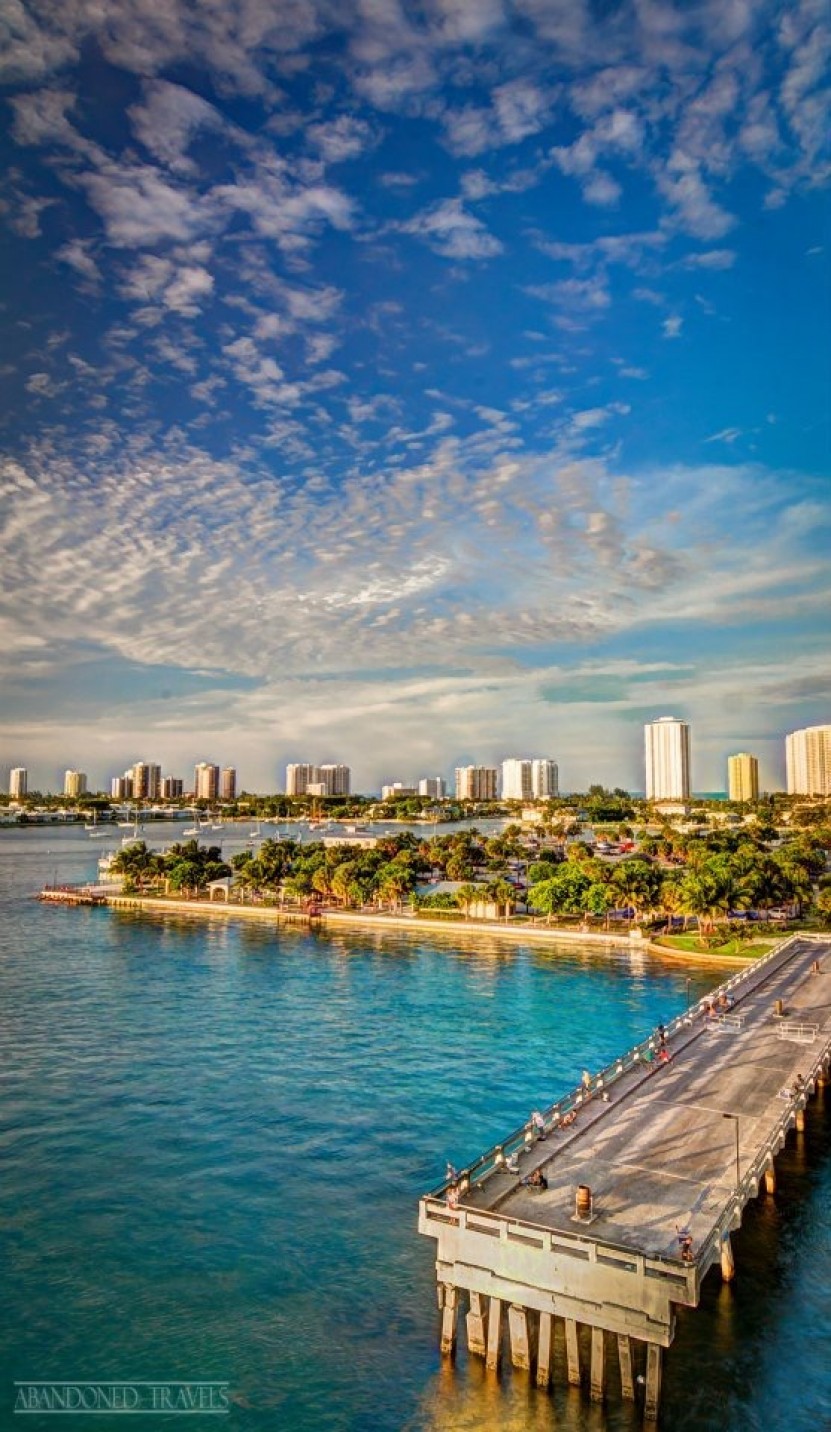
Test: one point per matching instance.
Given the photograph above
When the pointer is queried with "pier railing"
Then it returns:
(641, 1057)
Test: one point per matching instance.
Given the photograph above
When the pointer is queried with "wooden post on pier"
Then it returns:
(800, 1121)
(572, 1352)
(598, 1366)
(494, 1333)
(653, 1381)
(544, 1351)
(627, 1382)
(728, 1262)
(476, 1323)
(448, 1318)
(770, 1178)
(520, 1346)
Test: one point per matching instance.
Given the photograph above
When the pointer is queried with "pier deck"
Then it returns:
(661, 1146)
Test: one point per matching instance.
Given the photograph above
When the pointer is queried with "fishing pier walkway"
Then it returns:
(649, 1165)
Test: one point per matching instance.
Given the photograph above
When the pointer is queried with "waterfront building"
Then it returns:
(299, 776)
(808, 760)
(525, 779)
(18, 782)
(476, 783)
(74, 783)
(667, 747)
(228, 783)
(173, 788)
(742, 777)
(206, 782)
(545, 779)
(337, 779)
(147, 781)
(434, 787)
(397, 791)
(516, 780)
(121, 788)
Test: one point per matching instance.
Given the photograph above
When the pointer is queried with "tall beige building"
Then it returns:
(18, 782)
(329, 780)
(808, 760)
(742, 777)
(147, 781)
(476, 783)
(667, 749)
(228, 783)
(206, 781)
(74, 783)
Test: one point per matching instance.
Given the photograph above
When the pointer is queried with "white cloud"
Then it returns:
(453, 232)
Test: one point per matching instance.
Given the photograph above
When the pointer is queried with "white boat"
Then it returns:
(192, 830)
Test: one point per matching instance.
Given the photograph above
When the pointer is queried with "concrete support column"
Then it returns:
(800, 1121)
(448, 1318)
(627, 1381)
(822, 1079)
(572, 1352)
(520, 1346)
(476, 1325)
(494, 1332)
(598, 1366)
(728, 1262)
(653, 1381)
(544, 1351)
(770, 1179)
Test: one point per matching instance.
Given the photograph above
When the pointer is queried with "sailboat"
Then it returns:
(94, 832)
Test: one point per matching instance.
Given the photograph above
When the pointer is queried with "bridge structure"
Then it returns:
(647, 1168)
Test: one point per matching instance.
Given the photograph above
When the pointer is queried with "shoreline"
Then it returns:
(332, 919)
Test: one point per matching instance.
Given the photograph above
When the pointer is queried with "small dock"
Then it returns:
(647, 1168)
(74, 894)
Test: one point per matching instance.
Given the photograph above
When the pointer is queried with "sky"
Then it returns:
(413, 385)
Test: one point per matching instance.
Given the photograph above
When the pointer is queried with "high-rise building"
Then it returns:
(147, 781)
(299, 776)
(434, 787)
(337, 779)
(173, 788)
(228, 784)
(545, 778)
(476, 783)
(206, 782)
(742, 777)
(121, 788)
(516, 780)
(808, 759)
(397, 791)
(526, 779)
(74, 783)
(330, 780)
(18, 782)
(667, 743)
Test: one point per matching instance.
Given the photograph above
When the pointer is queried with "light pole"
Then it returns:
(735, 1119)
(689, 982)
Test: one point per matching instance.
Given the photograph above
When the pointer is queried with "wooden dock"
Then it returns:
(74, 894)
(649, 1165)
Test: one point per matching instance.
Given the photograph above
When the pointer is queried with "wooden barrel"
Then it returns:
(584, 1201)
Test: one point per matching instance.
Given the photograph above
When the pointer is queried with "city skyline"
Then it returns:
(450, 379)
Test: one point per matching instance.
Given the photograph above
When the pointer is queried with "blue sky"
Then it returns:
(413, 385)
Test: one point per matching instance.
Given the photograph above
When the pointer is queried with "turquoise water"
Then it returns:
(214, 1137)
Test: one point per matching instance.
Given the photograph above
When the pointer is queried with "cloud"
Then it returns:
(672, 326)
(343, 138)
(453, 232)
(168, 119)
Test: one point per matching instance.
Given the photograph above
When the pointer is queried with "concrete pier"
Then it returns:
(665, 1153)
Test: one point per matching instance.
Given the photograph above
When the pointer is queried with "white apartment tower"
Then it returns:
(74, 783)
(228, 784)
(330, 780)
(526, 779)
(476, 783)
(434, 787)
(808, 759)
(147, 781)
(18, 782)
(742, 777)
(667, 743)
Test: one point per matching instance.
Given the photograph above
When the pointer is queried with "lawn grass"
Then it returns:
(736, 946)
